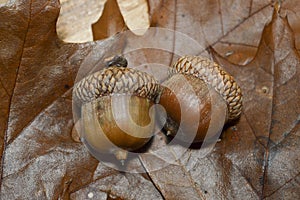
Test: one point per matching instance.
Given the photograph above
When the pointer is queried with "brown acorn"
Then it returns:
(199, 96)
(115, 113)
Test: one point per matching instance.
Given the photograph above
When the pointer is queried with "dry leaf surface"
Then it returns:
(257, 158)
(39, 157)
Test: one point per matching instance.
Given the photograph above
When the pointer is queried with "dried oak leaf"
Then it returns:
(255, 159)
(233, 28)
(259, 157)
(271, 96)
(39, 158)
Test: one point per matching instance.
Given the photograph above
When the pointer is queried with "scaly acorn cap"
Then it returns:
(214, 76)
(116, 80)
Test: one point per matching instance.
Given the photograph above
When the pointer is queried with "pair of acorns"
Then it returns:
(116, 114)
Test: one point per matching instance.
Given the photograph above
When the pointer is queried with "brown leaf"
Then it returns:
(233, 28)
(119, 14)
(271, 98)
(39, 158)
(257, 158)
(110, 22)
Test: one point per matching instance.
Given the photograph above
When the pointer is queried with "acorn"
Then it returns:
(116, 113)
(199, 97)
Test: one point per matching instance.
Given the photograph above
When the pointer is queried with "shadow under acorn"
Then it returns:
(173, 140)
(111, 160)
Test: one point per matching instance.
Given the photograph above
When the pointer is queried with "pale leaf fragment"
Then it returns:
(75, 19)
(135, 14)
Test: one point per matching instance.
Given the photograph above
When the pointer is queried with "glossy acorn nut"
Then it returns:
(202, 91)
(115, 113)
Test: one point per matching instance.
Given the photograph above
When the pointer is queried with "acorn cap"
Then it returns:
(116, 80)
(214, 76)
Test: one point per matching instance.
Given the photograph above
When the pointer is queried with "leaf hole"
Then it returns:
(265, 90)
